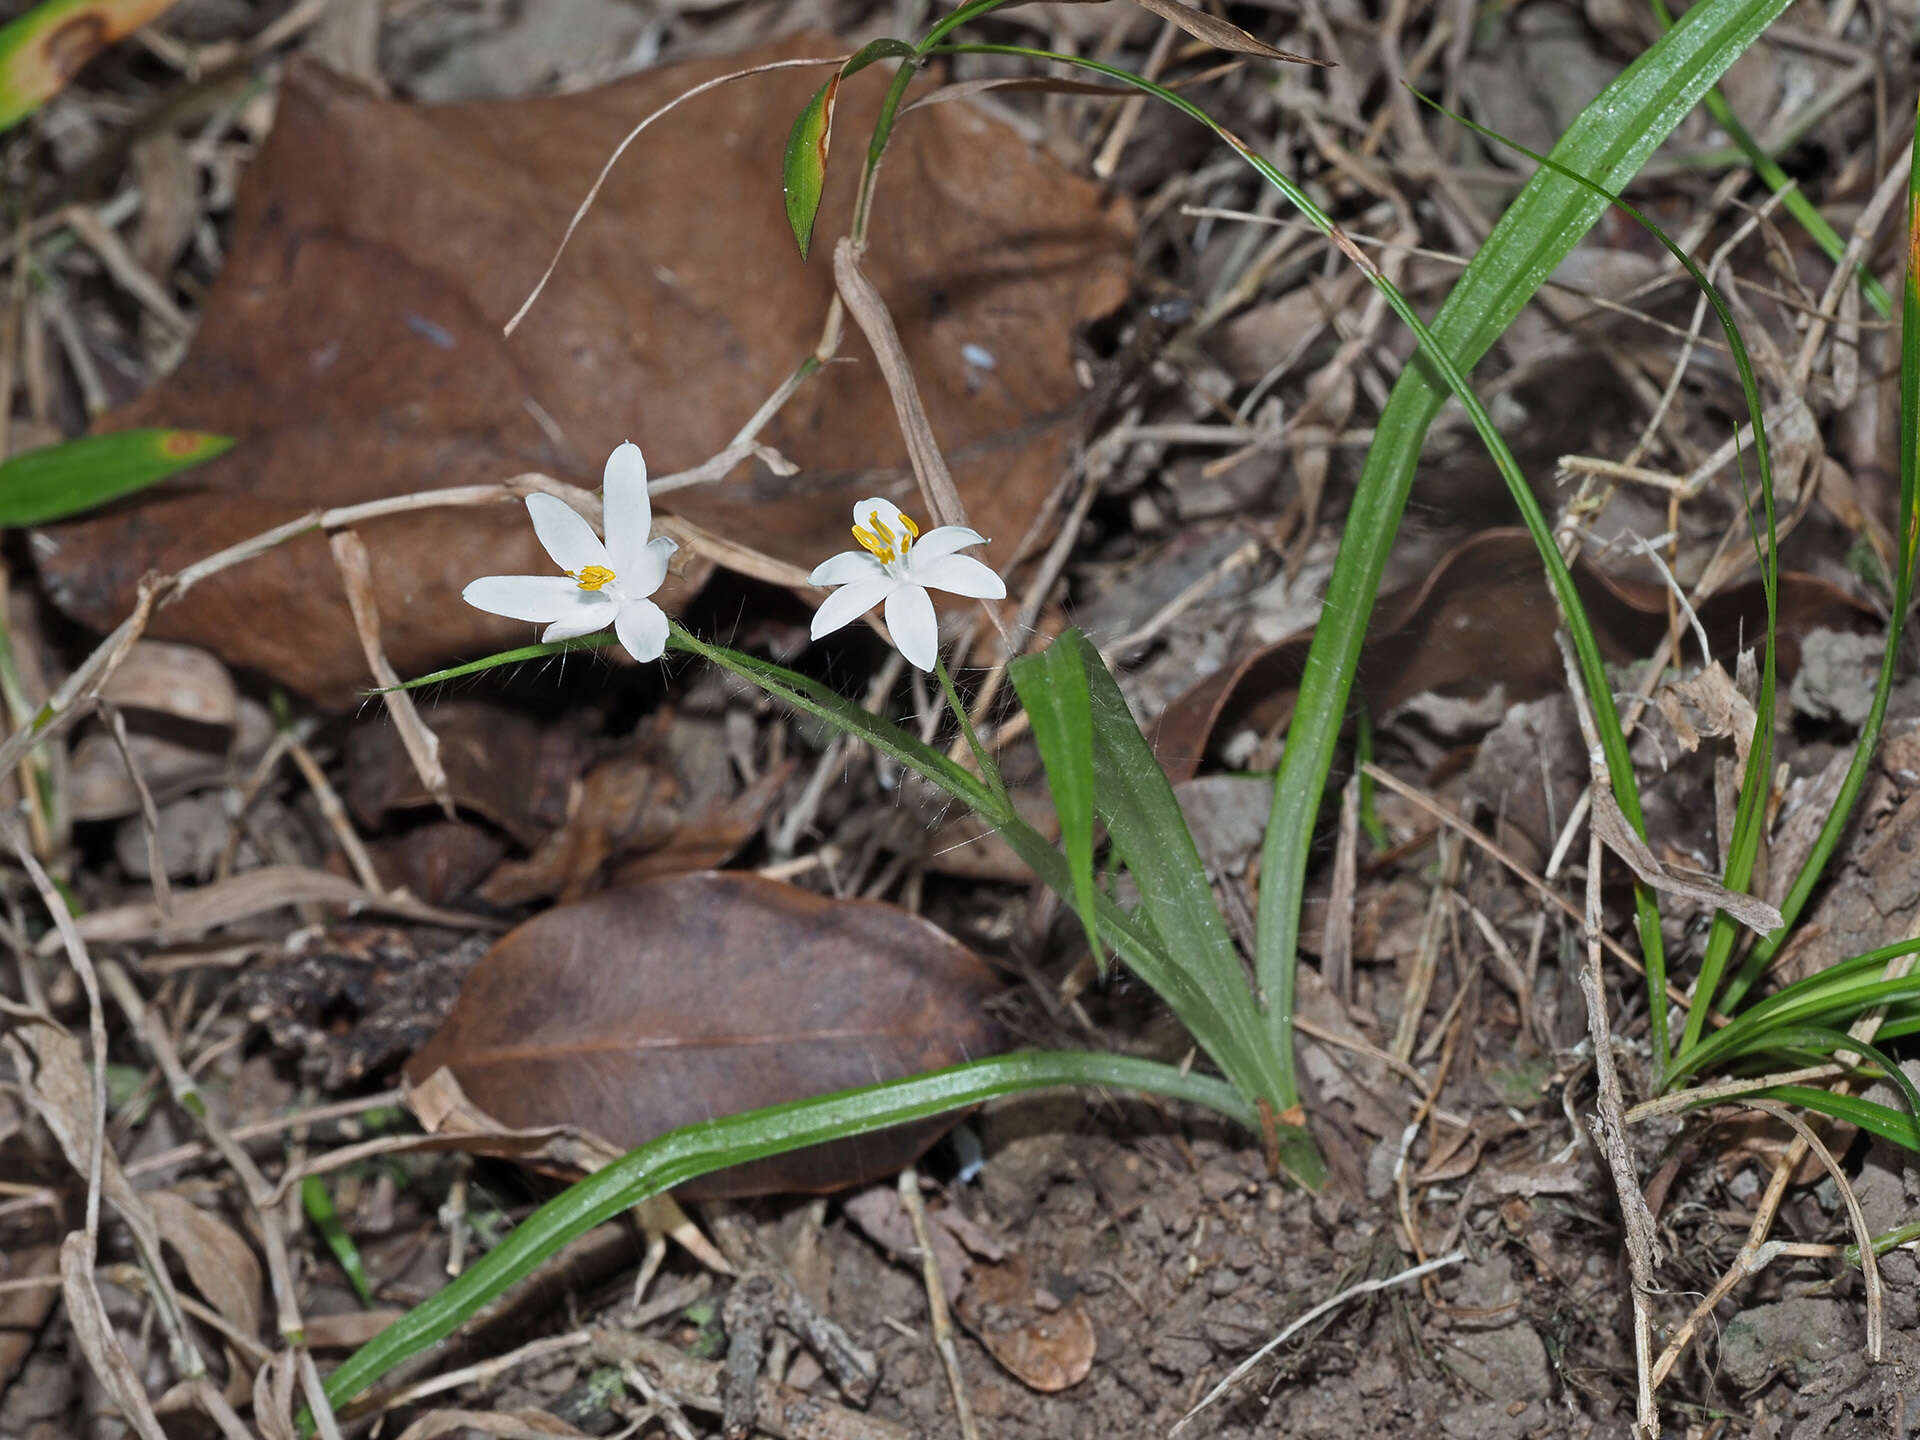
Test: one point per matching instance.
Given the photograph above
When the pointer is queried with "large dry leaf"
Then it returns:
(221, 1265)
(701, 995)
(1483, 615)
(353, 344)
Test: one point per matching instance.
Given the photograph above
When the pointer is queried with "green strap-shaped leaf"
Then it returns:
(1053, 687)
(62, 480)
(804, 170)
(694, 1150)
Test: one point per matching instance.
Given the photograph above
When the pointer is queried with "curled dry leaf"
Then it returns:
(353, 346)
(221, 1265)
(1482, 612)
(1043, 1341)
(703, 995)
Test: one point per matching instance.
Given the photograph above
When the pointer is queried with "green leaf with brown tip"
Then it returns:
(804, 170)
(46, 47)
(61, 480)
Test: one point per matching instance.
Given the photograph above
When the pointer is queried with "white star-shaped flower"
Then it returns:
(605, 584)
(897, 564)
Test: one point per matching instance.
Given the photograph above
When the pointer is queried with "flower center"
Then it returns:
(879, 540)
(594, 577)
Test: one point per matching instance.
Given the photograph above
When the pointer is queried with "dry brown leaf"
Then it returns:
(175, 680)
(1044, 1342)
(226, 901)
(700, 995)
(1708, 704)
(24, 1310)
(1481, 615)
(353, 344)
(503, 1424)
(221, 1265)
(1756, 914)
(93, 1332)
(446, 1113)
(1222, 34)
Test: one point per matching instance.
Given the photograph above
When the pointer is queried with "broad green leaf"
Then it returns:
(1053, 687)
(61, 480)
(1147, 826)
(46, 47)
(694, 1150)
(804, 168)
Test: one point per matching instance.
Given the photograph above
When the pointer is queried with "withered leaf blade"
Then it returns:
(696, 996)
(1481, 614)
(353, 346)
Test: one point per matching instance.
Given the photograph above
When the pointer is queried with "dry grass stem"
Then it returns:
(938, 1315)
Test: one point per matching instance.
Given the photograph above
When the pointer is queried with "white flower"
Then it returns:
(897, 564)
(604, 584)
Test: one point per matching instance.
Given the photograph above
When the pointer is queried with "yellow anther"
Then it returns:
(880, 542)
(594, 577)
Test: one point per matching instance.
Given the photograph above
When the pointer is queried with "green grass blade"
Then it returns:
(40, 486)
(1052, 686)
(318, 1204)
(1220, 1018)
(695, 1150)
(1749, 827)
(1780, 183)
(1284, 855)
(1828, 1042)
(1856, 776)
(1608, 142)
(540, 650)
(1875, 1119)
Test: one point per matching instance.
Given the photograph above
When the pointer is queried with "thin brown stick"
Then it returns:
(938, 1317)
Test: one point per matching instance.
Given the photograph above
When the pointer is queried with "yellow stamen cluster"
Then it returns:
(594, 577)
(879, 541)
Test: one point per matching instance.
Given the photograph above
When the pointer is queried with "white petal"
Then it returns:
(915, 630)
(889, 513)
(850, 602)
(845, 568)
(642, 628)
(643, 576)
(629, 513)
(946, 540)
(957, 575)
(590, 618)
(540, 598)
(567, 538)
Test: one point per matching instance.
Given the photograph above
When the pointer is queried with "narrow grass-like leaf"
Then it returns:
(46, 47)
(1221, 1018)
(804, 167)
(1777, 180)
(695, 1150)
(1609, 141)
(1837, 817)
(39, 486)
(1052, 686)
(1284, 854)
(1756, 784)
(318, 1204)
(1827, 1042)
(1875, 1119)
(539, 650)
(1836, 1006)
